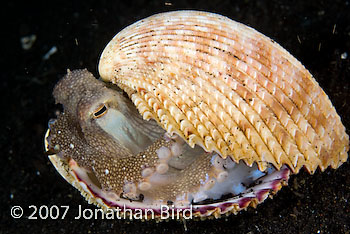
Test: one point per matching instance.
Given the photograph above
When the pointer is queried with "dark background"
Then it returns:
(316, 32)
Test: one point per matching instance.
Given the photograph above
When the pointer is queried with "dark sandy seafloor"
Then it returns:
(315, 32)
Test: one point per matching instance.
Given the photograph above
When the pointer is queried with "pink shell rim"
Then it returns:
(234, 205)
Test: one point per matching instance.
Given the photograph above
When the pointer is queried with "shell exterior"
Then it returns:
(228, 88)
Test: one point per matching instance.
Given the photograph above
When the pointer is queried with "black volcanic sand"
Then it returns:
(317, 33)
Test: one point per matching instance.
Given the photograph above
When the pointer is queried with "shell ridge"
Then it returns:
(205, 108)
(278, 159)
(282, 89)
(310, 142)
(288, 123)
(183, 116)
(174, 125)
(239, 126)
(279, 48)
(209, 114)
(242, 71)
(260, 64)
(261, 131)
(207, 118)
(315, 98)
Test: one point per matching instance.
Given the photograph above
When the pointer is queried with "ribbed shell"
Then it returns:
(224, 86)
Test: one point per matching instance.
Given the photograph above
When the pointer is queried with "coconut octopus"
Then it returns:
(193, 110)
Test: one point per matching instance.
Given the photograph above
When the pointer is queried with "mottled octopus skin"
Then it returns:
(214, 82)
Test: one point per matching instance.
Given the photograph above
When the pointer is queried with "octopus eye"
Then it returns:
(100, 111)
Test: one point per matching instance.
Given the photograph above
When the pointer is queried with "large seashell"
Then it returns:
(228, 88)
(223, 86)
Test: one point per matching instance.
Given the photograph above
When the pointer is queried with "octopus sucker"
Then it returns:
(194, 110)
